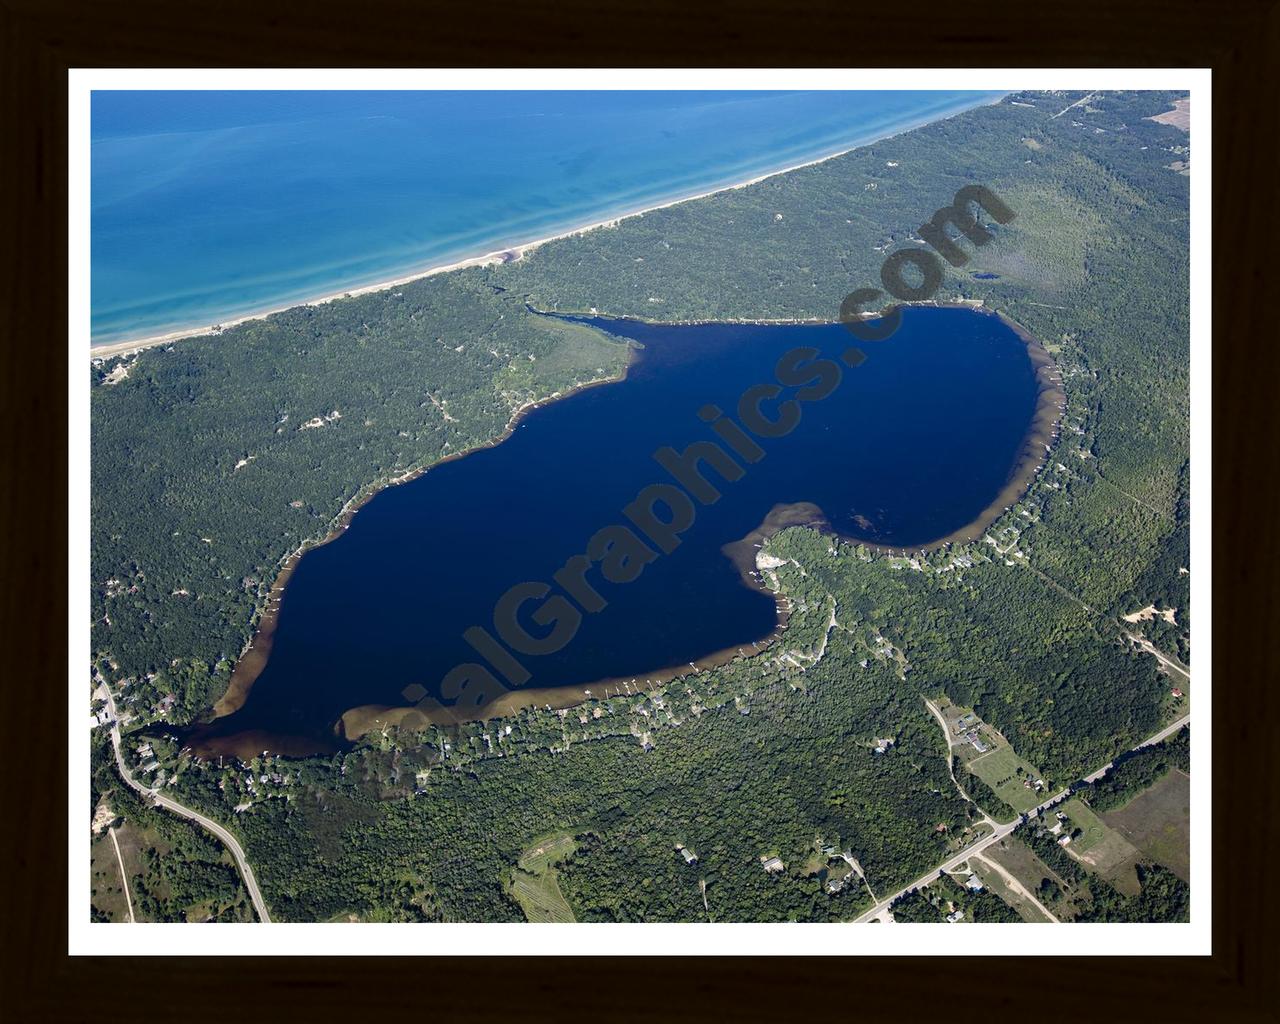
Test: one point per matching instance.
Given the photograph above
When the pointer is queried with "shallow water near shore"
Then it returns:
(928, 438)
(207, 206)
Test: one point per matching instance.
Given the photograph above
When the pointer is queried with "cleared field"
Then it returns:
(1158, 822)
(993, 880)
(1016, 858)
(540, 897)
(1101, 849)
(1178, 117)
(1082, 817)
(107, 892)
(1004, 771)
(546, 852)
(534, 884)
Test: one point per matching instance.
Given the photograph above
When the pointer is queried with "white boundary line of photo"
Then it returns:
(85, 938)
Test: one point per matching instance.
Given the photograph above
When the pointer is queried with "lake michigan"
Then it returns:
(211, 205)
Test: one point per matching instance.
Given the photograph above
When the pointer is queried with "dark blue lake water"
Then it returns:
(911, 445)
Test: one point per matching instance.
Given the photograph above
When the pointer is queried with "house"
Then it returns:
(977, 743)
(1176, 693)
(772, 864)
(955, 916)
(1057, 829)
(973, 883)
(1063, 840)
(689, 856)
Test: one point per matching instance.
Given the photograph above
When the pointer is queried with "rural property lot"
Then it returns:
(108, 888)
(1004, 771)
(534, 883)
(1178, 117)
(1103, 850)
(1018, 859)
(1082, 817)
(994, 881)
(1158, 822)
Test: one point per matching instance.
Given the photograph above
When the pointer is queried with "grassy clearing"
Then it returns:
(993, 880)
(107, 889)
(1004, 771)
(546, 852)
(534, 883)
(580, 352)
(1020, 861)
(1158, 822)
(1102, 850)
(1082, 817)
(540, 897)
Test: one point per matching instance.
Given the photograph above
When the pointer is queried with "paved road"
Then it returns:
(1001, 831)
(1163, 734)
(158, 798)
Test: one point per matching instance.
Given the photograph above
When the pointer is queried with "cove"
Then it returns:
(937, 431)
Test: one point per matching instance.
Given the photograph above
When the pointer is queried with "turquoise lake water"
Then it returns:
(208, 205)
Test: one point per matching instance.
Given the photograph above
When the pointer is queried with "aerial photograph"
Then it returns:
(619, 505)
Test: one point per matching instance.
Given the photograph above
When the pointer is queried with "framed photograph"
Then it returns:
(704, 513)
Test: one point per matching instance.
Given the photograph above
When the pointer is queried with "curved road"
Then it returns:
(156, 797)
(259, 905)
(946, 735)
(1001, 831)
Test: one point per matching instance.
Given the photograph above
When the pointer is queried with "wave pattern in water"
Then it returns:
(206, 206)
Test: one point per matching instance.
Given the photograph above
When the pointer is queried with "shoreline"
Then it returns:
(358, 721)
(503, 254)
(365, 718)
(257, 651)
(1042, 431)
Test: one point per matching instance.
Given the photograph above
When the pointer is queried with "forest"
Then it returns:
(177, 871)
(203, 482)
(217, 458)
(738, 768)
(1162, 895)
(1138, 771)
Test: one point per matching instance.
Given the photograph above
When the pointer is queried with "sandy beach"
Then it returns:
(504, 254)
